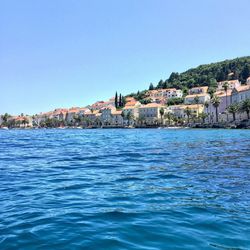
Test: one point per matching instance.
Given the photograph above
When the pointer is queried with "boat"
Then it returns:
(173, 128)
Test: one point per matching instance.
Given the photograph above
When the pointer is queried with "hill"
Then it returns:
(205, 75)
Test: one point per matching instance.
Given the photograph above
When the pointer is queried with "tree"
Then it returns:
(160, 84)
(211, 92)
(196, 101)
(151, 86)
(216, 104)
(206, 104)
(120, 101)
(123, 115)
(161, 114)
(5, 117)
(203, 116)
(129, 116)
(188, 112)
(169, 116)
(245, 72)
(225, 87)
(233, 109)
(245, 107)
(116, 100)
(175, 101)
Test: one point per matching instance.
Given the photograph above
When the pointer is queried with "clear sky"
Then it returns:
(63, 53)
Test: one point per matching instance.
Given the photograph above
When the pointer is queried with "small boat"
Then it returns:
(5, 128)
(173, 128)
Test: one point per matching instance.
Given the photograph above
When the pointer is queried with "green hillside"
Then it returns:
(203, 75)
(208, 74)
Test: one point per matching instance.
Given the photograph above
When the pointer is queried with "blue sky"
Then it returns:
(63, 53)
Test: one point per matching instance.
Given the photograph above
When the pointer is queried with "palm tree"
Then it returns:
(211, 92)
(169, 116)
(161, 114)
(216, 104)
(203, 116)
(225, 87)
(188, 112)
(233, 109)
(245, 107)
(196, 101)
(5, 117)
(129, 117)
(206, 104)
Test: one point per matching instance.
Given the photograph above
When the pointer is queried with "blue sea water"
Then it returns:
(125, 189)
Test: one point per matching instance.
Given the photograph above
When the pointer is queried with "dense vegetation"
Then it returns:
(204, 75)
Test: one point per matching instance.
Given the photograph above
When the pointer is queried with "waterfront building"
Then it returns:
(59, 114)
(225, 102)
(132, 109)
(179, 110)
(106, 115)
(117, 119)
(150, 113)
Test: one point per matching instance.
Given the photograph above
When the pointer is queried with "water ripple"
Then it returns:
(125, 189)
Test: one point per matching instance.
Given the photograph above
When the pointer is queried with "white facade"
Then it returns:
(231, 84)
(240, 94)
(189, 99)
(198, 90)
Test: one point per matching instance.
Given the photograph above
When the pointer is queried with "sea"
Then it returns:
(115, 189)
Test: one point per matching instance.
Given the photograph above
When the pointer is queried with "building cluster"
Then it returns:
(105, 114)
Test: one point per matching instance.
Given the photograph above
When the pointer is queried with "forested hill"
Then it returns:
(208, 74)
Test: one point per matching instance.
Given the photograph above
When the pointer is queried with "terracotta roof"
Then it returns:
(229, 81)
(223, 93)
(194, 95)
(243, 88)
(201, 87)
(117, 112)
(129, 107)
(151, 105)
(191, 106)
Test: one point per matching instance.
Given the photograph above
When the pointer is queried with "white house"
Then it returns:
(190, 99)
(231, 84)
(241, 93)
(150, 113)
(198, 90)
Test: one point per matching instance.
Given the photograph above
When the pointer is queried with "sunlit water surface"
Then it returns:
(125, 189)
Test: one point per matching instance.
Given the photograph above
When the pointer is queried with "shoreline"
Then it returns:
(137, 127)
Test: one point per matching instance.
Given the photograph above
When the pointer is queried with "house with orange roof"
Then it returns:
(131, 110)
(202, 98)
(179, 110)
(198, 90)
(60, 114)
(231, 84)
(162, 95)
(150, 113)
(22, 121)
(241, 93)
(117, 118)
(106, 115)
(71, 114)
